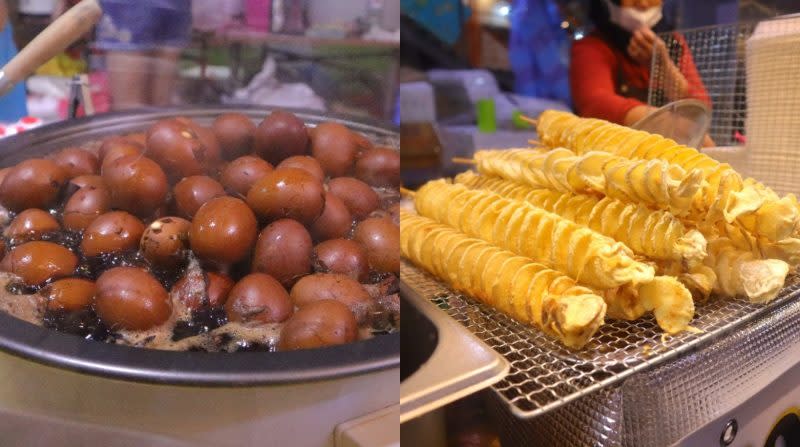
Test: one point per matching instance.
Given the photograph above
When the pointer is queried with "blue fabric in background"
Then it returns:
(539, 50)
(144, 25)
(440, 17)
(12, 104)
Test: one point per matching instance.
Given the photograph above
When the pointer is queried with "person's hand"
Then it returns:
(642, 45)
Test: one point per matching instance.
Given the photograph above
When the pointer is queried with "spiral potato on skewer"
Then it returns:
(629, 286)
(725, 195)
(656, 234)
(653, 182)
(583, 254)
(741, 273)
(529, 292)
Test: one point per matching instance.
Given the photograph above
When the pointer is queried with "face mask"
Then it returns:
(632, 19)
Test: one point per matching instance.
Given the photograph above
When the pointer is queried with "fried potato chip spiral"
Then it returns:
(725, 194)
(650, 182)
(585, 255)
(655, 234)
(529, 292)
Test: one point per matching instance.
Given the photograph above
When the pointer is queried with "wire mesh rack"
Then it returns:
(748, 73)
(712, 63)
(544, 375)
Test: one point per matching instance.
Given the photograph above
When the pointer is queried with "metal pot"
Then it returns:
(281, 398)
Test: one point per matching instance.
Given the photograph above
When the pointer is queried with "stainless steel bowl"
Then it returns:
(61, 350)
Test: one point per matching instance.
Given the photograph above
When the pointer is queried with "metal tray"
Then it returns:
(545, 375)
(455, 363)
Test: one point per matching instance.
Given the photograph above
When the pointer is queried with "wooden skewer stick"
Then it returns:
(407, 192)
(535, 142)
(528, 119)
(463, 161)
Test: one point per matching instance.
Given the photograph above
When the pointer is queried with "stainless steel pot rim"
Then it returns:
(71, 352)
(61, 350)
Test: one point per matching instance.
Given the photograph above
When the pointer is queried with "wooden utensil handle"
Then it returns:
(65, 30)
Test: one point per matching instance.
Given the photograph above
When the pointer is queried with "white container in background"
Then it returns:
(37, 7)
(773, 104)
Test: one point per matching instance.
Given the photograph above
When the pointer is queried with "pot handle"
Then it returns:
(65, 30)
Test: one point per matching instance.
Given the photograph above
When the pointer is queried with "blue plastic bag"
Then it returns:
(12, 104)
(538, 50)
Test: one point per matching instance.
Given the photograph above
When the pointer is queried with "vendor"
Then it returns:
(610, 68)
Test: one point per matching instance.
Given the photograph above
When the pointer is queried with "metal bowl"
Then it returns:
(68, 351)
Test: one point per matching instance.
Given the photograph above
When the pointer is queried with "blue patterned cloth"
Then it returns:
(440, 17)
(539, 50)
(12, 104)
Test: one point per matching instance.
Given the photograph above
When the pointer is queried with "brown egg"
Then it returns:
(319, 324)
(211, 143)
(223, 230)
(186, 121)
(139, 138)
(84, 206)
(76, 161)
(69, 294)
(137, 184)
(258, 298)
(112, 232)
(192, 192)
(130, 298)
(341, 256)
(165, 241)
(218, 288)
(240, 174)
(177, 147)
(335, 148)
(363, 144)
(335, 221)
(112, 143)
(214, 290)
(38, 261)
(331, 286)
(236, 133)
(281, 135)
(33, 183)
(118, 152)
(3, 173)
(357, 196)
(306, 163)
(283, 250)
(31, 223)
(381, 240)
(379, 167)
(287, 192)
(83, 180)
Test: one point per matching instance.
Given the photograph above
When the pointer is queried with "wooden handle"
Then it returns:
(65, 30)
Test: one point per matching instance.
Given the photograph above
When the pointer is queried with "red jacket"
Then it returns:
(595, 73)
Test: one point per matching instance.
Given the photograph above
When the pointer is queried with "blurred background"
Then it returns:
(337, 57)
(469, 68)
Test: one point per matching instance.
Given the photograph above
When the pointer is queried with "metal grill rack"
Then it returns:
(717, 53)
(544, 375)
